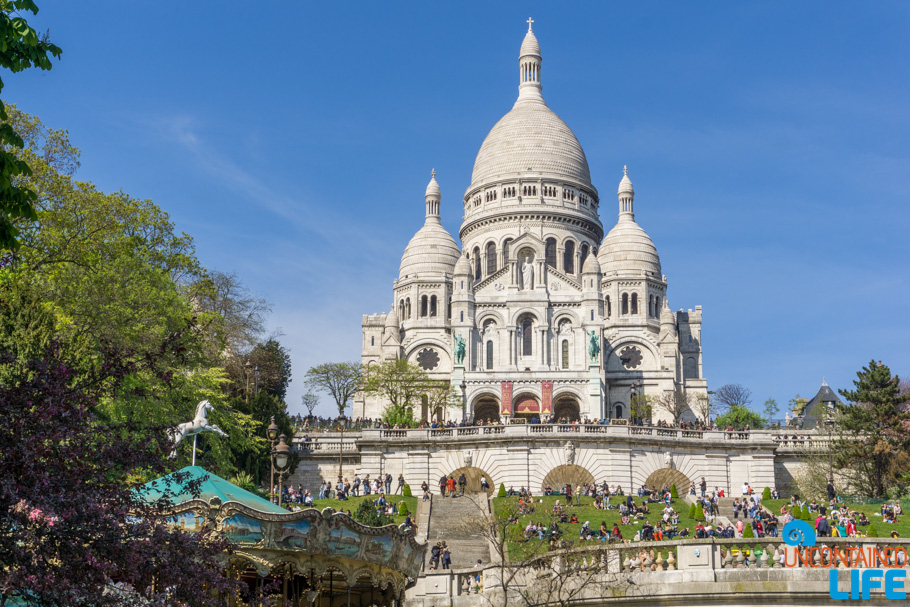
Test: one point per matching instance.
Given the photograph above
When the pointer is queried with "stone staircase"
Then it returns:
(447, 523)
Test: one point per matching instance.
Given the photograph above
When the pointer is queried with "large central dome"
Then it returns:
(531, 138)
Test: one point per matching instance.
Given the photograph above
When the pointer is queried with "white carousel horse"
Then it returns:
(199, 424)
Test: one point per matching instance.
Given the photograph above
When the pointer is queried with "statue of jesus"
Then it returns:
(527, 275)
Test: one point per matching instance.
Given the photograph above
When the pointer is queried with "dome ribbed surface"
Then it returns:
(628, 249)
(391, 321)
(531, 137)
(432, 250)
(530, 46)
(591, 265)
(463, 267)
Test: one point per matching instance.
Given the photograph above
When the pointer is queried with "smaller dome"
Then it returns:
(666, 316)
(433, 187)
(462, 267)
(432, 251)
(391, 320)
(591, 265)
(529, 46)
(628, 249)
(625, 186)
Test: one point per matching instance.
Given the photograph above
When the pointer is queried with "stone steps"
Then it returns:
(447, 522)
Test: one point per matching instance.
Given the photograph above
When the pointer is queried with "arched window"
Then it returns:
(505, 251)
(607, 301)
(401, 309)
(568, 258)
(565, 354)
(462, 317)
(527, 338)
(407, 308)
(489, 356)
(584, 255)
(634, 303)
(657, 307)
(372, 341)
(625, 304)
(491, 258)
(551, 252)
(618, 412)
(650, 306)
(449, 309)
(423, 306)
(433, 305)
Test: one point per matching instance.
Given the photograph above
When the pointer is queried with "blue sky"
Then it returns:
(768, 145)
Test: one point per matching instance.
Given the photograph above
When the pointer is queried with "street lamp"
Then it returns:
(272, 434)
(464, 400)
(343, 422)
(280, 456)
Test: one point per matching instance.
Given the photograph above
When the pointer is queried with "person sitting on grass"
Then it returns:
(616, 534)
(574, 520)
(624, 519)
(862, 521)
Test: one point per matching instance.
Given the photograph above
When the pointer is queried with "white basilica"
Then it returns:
(538, 313)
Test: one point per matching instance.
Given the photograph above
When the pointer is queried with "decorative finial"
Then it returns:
(433, 173)
(530, 21)
(625, 169)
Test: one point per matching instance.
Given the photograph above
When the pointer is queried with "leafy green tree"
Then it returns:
(873, 441)
(20, 48)
(341, 381)
(402, 385)
(739, 417)
(366, 513)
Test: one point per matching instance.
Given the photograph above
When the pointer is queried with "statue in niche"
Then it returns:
(570, 453)
(593, 346)
(668, 460)
(468, 459)
(459, 349)
(527, 275)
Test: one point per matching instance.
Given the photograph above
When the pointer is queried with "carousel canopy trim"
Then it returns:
(213, 486)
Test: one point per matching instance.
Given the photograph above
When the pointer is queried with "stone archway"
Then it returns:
(486, 408)
(560, 476)
(664, 477)
(473, 476)
(566, 407)
(526, 406)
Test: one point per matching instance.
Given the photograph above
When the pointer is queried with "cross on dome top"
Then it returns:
(433, 173)
(625, 169)
(529, 22)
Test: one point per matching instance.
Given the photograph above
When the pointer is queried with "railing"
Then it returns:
(327, 446)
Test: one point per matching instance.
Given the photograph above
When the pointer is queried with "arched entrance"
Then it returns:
(561, 476)
(486, 408)
(618, 411)
(526, 406)
(665, 477)
(566, 409)
(473, 476)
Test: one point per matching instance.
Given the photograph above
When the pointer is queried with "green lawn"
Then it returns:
(543, 506)
(352, 503)
(872, 513)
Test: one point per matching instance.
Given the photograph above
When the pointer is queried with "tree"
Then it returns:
(239, 315)
(675, 403)
(21, 49)
(309, 401)
(640, 406)
(739, 417)
(770, 410)
(401, 385)
(703, 407)
(872, 430)
(70, 522)
(733, 395)
(340, 380)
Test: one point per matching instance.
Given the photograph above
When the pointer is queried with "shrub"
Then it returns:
(699, 513)
(747, 530)
(366, 514)
(872, 531)
(502, 490)
(403, 508)
(406, 491)
(807, 514)
(673, 492)
(766, 494)
(692, 511)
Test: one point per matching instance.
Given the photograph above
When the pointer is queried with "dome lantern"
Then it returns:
(432, 251)
(529, 64)
(626, 196)
(433, 196)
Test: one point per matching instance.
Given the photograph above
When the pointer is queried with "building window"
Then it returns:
(491, 258)
(592, 314)
(618, 412)
(505, 251)
(407, 308)
(634, 303)
(565, 354)
(657, 307)
(401, 309)
(449, 309)
(584, 255)
(608, 306)
(489, 356)
(650, 306)
(527, 338)
(568, 258)
(423, 306)
(551, 252)
(433, 305)
(372, 341)
(625, 304)
(462, 317)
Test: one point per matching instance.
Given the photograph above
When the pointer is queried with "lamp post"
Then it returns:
(272, 434)
(342, 422)
(280, 456)
(246, 371)
(464, 400)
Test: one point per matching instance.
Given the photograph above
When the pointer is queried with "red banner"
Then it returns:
(546, 405)
(506, 408)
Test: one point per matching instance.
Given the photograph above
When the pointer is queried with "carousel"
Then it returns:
(308, 558)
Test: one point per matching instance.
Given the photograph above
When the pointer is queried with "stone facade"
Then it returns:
(556, 318)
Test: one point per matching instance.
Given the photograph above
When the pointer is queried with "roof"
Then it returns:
(213, 486)
(811, 413)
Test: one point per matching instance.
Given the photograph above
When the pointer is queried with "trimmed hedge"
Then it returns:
(502, 490)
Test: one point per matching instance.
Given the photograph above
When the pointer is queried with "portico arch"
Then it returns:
(665, 477)
(473, 476)
(486, 406)
(526, 405)
(566, 408)
(568, 474)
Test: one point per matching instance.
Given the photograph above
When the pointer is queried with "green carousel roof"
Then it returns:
(213, 486)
